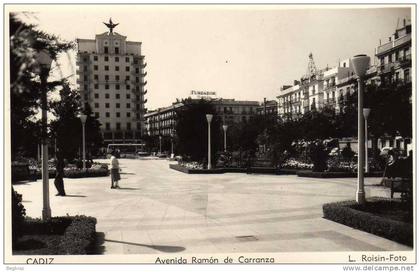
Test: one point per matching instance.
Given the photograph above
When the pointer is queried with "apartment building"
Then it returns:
(111, 80)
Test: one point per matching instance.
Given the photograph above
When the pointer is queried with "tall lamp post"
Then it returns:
(83, 118)
(360, 65)
(172, 144)
(209, 118)
(44, 60)
(225, 127)
(366, 112)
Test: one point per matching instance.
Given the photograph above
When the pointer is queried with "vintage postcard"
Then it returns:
(210, 134)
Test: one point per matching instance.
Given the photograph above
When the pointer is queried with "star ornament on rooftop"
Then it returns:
(111, 25)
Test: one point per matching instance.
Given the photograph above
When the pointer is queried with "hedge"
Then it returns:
(78, 173)
(79, 237)
(351, 214)
(78, 234)
(310, 174)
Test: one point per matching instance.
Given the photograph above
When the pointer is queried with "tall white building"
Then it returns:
(111, 80)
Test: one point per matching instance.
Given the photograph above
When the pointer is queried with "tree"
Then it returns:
(94, 139)
(25, 42)
(66, 129)
(191, 129)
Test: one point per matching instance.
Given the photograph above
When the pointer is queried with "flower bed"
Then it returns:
(293, 163)
(97, 170)
(70, 235)
(383, 217)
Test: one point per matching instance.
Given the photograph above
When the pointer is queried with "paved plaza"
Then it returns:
(159, 210)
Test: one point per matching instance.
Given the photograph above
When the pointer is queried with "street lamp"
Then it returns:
(44, 61)
(83, 118)
(360, 65)
(366, 112)
(160, 144)
(225, 127)
(209, 118)
(172, 144)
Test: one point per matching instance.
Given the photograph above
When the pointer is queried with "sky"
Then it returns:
(240, 52)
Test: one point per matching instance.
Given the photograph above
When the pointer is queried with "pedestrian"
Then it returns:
(59, 174)
(115, 171)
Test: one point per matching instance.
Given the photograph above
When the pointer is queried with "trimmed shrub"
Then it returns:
(69, 235)
(351, 214)
(79, 173)
(56, 225)
(79, 237)
(18, 216)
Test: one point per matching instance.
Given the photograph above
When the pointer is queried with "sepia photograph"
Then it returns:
(209, 134)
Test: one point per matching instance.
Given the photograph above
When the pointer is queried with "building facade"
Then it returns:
(268, 107)
(394, 57)
(162, 121)
(111, 80)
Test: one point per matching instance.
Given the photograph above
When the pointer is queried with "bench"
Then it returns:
(399, 178)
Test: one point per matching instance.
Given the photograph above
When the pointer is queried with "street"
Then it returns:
(159, 210)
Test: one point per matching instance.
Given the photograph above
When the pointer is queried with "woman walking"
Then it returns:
(115, 171)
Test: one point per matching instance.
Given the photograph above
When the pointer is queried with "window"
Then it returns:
(117, 105)
(96, 95)
(107, 95)
(117, 77)
(117, 50)
(406, 76)
(138, 97)
(127, 77)
(117, 114)
(128, 114)
(106, 86)
(137, 70)
(96, 86)
(106, 49)
(95, 58)
(128, 105)
(117, 68)
(107, 114)
(128, 126)
(86, 97)
(95, 67)
(117, 59)
(344, 65)
(117, 126)
(127, 87)
(137, 79)
(86, 87)
(85, 68)
(128, 96)
(127, 59)
(138, 125)
(107, 105)
(106, 77)
(117, 86)
(106, 68)
(107, 126)
(106, 58)
(97, 114)
(117, 96)
(85, 78)
(96, 105)
(127, 68)
(96, 77)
